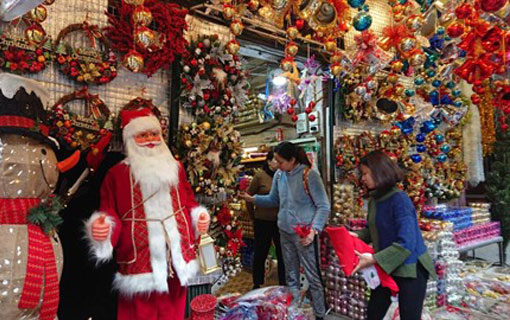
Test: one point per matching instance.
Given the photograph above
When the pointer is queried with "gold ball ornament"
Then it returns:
(415, 22)
(291, 49)
(397, 66)
(233, 47)
(188, 143)
(134, 61)
(407, 44)
(336, 57)
(228, 12)
(393, 78)
(144, 37)
(233, 155)
(35, 34)
(287, 65)
(142, 16)
(292, 32)
(418, 59)
(266, 13)
(38, 14)
(336, 69)
(206, 125)
(134, 2)
(253, 4)
(330, 45)
(237, 27)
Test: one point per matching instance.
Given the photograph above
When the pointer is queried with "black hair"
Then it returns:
(287, 150)
(385, 172)
(265, 166)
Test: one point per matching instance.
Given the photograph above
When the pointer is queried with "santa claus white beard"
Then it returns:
(154, 168)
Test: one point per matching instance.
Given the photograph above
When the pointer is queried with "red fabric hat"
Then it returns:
(344, 245)
(127, 115)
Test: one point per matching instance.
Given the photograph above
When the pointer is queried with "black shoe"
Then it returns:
(319, 318)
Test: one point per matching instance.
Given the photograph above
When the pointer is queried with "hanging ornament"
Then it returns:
(233, 47)
(294, 118)
(362, 21)
(38, 14)
(287, 64)
(397, 65)
(356, 3)
(228, 11)
(144, 37)
(35, 34)
(491, 5)
(330, 45)
(407, 44)
(292, 32)
(464, 10)
(336, 57)
(300, 24)
(134, 61)
(237, 27)
(311, 117)
(142, 16)
(415, 22)
(266, 13)
(455, 30)
(336, 69)
(253, 5)
(291, 49)
(418, 59)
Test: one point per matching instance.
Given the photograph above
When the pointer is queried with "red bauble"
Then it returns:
(478, 89)
(464, 10)
(183, 80)
(207, 109)
(308, 110)
(455, 29)
(290, 111)
(300, 23)
(504, 127)
(506, 110)
(492, 5)
(293, 102)
(206, 96)
(311, 117)
(294, 118)
(475, 99)
(311, 105)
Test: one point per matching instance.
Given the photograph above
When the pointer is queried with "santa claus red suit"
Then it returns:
(149, 218)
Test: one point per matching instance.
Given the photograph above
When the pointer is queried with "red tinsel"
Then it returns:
(302, 230)
(171, 23)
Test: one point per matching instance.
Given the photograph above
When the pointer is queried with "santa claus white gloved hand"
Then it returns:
(203, 223)
(100, 228)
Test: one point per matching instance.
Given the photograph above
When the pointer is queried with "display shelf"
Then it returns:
(253, 160)
(477, 245)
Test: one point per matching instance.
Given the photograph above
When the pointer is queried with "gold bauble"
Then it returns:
(286, 65)
(237, 27)
(134, 2)
(266, 13)
(418, 59)
(134, 61)
(292, 32)
(35, 34)
(233, 47)
(206, 125)
(144, 37)
(336, 57)
(397, 65)
(253, 4)
(142, 16)
(398, 17)
(188, 143)
(336, 69)
(291, 49)
(38, 14)
(393, 78)
(415, 22)
(228, 12)
(399, 90)
(233, 155)
(330, 45)
(407, 44)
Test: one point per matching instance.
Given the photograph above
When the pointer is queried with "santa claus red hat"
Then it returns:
(134, 121)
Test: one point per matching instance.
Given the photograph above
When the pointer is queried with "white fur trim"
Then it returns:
(140, 124)
(101, 250)
(195, 214)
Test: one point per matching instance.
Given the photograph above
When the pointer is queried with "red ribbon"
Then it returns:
(41, 272)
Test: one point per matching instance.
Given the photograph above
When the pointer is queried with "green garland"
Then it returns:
(46, 214)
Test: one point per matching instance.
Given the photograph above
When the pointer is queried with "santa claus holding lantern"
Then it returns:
(148, 216)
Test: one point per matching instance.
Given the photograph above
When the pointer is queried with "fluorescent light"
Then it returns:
(279, 81)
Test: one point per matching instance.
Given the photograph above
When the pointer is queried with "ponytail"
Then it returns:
(287, 150)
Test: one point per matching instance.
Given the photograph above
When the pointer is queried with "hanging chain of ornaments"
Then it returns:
(89, 65)
(79, 131)
(213, 82)
(31, 52)
(148, 33)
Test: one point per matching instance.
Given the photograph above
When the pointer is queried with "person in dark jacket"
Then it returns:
(396, 238)
(264, 222)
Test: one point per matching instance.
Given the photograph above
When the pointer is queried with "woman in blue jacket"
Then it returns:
(299, 204)
(396, 238)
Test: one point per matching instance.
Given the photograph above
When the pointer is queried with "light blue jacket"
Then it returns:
(288, 193)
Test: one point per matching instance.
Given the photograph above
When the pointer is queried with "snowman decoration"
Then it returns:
(30, 253)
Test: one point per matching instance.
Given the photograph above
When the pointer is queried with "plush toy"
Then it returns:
(30, 253)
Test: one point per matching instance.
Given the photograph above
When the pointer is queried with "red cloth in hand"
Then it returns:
(345, 244)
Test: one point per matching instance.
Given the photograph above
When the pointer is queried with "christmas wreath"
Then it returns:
(80, 131)
(86, 65)
(211, 154)
(148, 33)
(212, 80)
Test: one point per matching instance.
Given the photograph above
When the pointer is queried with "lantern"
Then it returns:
(207, 253)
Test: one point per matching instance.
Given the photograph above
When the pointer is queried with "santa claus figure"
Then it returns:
(148, 216)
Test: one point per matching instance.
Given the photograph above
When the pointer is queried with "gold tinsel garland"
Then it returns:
(486, 108)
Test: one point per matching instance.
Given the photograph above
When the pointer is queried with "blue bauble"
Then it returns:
(428, 126)
(437, 121)
(409, 92)
(436, 83)
(421, 148)
(456, 93)
(419, 81)
(407, 131)
(462, 53)
(447, 38)
(445, 148)
(416, 158)
(442, 157)
(420, 137)
(356, 3)
(451, 85)
(365, 8)
(439, 138)
(440, 30)
(402, 1)
(431, 73)
(458, 104)
(434, 97)
(362, 21)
